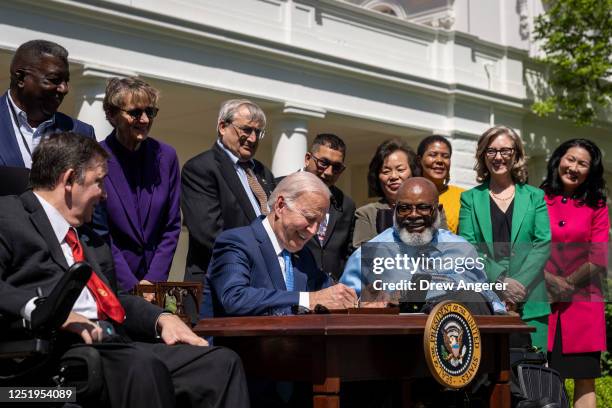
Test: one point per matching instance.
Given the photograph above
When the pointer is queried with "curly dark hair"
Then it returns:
(382, 151)
(593, 191)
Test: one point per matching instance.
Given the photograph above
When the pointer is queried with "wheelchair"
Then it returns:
(31, 355)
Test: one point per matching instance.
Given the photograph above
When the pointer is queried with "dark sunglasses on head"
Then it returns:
(323, 164)
(151, 112)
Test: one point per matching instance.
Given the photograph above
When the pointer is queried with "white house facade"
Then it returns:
(366, 70)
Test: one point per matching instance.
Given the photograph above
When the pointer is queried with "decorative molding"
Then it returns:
(297, 109)
(522, 8)
(438, 17)
(377, 5)
(91, 71)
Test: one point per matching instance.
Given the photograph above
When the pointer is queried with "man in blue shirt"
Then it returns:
(28, 110)
(447, 265)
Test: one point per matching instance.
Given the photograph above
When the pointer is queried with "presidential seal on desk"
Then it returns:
(452, 344)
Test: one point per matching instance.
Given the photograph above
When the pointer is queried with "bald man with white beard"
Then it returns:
(417, 229)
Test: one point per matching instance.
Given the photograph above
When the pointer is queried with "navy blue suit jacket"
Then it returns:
(245, 279)
(10, 155)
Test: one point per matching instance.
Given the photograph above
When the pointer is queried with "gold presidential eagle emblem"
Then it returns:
(452, 344)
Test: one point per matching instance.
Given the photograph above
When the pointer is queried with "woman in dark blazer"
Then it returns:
(508, 220)
(143, 182)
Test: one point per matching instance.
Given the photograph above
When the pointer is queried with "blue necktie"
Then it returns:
(288, 270)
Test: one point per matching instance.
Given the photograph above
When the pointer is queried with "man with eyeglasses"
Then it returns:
(264, 269)
(332, 244)
(447, 262)
(28, 110)
(224, 187)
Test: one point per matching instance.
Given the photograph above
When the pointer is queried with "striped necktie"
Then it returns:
(288, 270)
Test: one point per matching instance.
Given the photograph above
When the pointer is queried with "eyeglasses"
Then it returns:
(136, 114)
(407, 209)
(506, 152)
(323, 164)
(248, 130)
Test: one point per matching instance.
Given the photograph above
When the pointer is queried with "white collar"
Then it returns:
(277, 248)
(232, 156)
(58, 222)
(24, 116)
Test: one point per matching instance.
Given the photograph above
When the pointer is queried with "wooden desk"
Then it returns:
(328, 349)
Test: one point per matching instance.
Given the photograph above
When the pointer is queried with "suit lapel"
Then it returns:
(43, 226)
(233, 182)
(335, 212)
(300, 278)
(150, 178)
(9, 153)
(90, 257)
(331, 223)
(63, 123)
(120, 184)
(482, 208)
(521, 198)
(269, 256)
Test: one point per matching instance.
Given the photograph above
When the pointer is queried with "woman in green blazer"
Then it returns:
(508, 220)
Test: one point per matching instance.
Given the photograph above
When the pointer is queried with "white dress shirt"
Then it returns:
(85, 304)
(304, 296)
(243, 178)
(32, 136)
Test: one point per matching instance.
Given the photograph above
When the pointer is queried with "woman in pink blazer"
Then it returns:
(576, 201)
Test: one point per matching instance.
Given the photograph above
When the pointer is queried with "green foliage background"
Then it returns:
(576, 36)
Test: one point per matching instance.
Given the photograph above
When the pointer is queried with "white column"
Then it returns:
(463, 160)
(290, 139)
(89, 91)
(290, 144)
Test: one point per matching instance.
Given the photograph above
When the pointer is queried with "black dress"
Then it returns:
(574, 365)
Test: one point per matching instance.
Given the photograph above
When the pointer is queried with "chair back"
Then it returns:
(14, 180)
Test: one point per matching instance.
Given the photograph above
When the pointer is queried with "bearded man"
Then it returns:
(417, 255)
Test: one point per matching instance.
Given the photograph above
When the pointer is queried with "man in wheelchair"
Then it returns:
(144, 356)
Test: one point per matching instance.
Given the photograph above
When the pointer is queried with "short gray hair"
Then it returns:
(231, 107)
(296, 184)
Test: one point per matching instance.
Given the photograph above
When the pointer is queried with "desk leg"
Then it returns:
(500, 394)
(326, 395)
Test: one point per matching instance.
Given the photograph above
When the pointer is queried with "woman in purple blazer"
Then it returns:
(576, 200)
(142, 207)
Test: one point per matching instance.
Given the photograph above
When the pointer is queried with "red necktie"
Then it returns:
(108, 304)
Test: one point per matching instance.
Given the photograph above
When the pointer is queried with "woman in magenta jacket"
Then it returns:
(576, 201)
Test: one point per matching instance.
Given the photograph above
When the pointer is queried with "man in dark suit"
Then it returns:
(28, 110)
(42, 232)
(224, 187)
(263, 268)
(332, 244)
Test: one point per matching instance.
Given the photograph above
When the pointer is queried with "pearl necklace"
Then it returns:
(500, 198)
